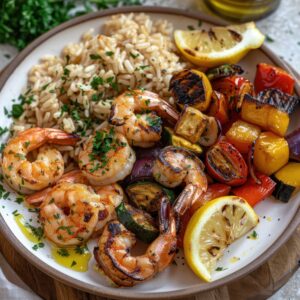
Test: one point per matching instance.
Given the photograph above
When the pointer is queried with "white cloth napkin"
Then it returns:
(11, 286)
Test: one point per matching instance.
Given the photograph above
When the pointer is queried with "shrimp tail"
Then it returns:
(112, 119)
(75, 176)
(184, 200)
(59, 137)
(37, 198)
(169, 113)
(165, 215)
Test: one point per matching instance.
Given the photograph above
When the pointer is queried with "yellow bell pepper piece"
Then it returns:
(266, 116)
(242, 134)
(271, 152)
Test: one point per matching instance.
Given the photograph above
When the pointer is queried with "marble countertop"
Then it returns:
(283, 28)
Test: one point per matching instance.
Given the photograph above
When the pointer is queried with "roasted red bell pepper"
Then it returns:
(213, 191)
(253, 192)
(218, 107)
(268, 76)
(226, 164)
(234, 88)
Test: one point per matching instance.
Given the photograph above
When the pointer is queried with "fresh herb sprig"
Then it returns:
(22, 21)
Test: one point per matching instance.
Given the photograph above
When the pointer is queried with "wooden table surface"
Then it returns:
(260, 284)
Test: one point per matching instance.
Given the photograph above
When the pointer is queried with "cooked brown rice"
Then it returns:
(74, 92)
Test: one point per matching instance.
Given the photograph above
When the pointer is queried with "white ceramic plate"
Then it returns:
(276, 219)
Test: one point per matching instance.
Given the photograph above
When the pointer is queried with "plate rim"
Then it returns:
(121, 293)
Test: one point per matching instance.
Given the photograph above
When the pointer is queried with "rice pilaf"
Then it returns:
(74, 92)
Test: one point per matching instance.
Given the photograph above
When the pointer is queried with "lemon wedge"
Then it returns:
(212, 229)
(218, 45)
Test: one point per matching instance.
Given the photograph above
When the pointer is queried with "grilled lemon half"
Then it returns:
(218, 45)
(212, 229)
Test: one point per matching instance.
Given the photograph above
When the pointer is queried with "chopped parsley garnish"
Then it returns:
(96, 97)
(102, 144)
(67, 229)
(75, 115)
(6, 195)
(66, 72)
(144, 67)
(56, 216)
(3, 130)
(269, 39)
(63, 252)
(38, 232)
(220, 269)
(199, 23)
(19, 199)
(153, 120)
(26, 144)
(17, 110)
(96, 81)
(113, 83)
(74, 263)
(2, 190)
(253, 235)
(64, 108)
(45, 86)
(37, 246)
(15, 213)
(191, 27)
(95, 56)
(109, 53)
(134, 55)
(34, 210)
(81, 249)
(20, 155)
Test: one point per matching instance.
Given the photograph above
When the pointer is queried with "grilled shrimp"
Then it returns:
(26, 176)
(110, 196)
(75, 176)
(113, 256)
(137, 115)
(175, 166)
(72, 212)
(106, 157)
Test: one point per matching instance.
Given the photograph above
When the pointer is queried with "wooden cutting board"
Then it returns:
(260, 284)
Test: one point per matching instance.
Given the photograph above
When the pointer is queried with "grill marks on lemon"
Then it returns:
(212, 229)
(218, 45)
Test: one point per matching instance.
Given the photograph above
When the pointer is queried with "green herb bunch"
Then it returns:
(21, 21)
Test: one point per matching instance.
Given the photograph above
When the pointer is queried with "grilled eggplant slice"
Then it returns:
(278, 99)
(224, 71)
(191, 124)
(146, 195)
(191, 87)
(171, 138)
(288, 181)
(138, 222)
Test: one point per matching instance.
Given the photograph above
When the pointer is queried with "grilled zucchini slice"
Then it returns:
(138, 222)
(146, 195)
(172, 139)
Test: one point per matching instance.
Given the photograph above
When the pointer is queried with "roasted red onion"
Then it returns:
(251, 164)
(293, 140)
(142, 170)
